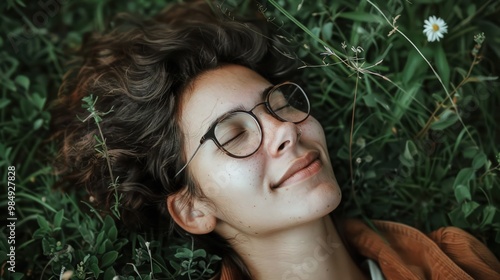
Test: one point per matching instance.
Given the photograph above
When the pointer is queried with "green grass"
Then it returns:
(412, 126)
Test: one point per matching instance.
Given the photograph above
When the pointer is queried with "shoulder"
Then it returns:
(403, 250)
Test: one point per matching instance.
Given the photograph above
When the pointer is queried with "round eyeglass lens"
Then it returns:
(239, 134)
(289, 102)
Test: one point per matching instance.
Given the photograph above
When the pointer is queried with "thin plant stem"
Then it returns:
(441, 104)
(351, 135)
(106, 153)
(94, 114)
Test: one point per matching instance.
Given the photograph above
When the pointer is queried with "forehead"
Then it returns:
(216, 92)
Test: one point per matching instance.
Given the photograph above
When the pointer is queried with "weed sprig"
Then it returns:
(101, 147)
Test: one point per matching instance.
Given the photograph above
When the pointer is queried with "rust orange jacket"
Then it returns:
(403, 252)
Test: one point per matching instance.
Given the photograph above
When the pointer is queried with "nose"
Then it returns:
(279, 136)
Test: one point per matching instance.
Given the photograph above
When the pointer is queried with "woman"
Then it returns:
(204, 131)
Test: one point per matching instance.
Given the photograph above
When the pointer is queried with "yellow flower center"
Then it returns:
(435, 27)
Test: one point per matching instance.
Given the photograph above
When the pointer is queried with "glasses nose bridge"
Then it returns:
(268, 110)
(257, 105)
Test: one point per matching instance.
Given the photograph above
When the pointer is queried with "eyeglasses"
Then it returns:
(239, 133)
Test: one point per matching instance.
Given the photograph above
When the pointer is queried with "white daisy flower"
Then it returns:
(434, 28)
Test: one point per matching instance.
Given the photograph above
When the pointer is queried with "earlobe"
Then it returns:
(193, 216)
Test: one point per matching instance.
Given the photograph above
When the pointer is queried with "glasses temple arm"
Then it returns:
(190, 159)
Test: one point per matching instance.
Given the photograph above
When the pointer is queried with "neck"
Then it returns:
(309, 251)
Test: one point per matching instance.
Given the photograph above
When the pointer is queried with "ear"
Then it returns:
(194, 216)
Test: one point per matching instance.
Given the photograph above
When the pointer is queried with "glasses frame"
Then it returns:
(210, 134)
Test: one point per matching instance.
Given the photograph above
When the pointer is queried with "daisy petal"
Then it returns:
(434, 28)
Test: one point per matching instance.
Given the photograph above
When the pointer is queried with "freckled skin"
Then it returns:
(239, 189)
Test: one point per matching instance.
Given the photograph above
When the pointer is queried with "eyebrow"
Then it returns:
(239, 107)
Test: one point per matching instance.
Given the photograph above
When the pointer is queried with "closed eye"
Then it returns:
(232, 139)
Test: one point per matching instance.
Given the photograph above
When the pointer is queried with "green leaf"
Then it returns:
(184, 253)
(468, 207)
(102, 247)
(23, 81)
(109, 258)
(369, 100)
(177, 267)
(479, 160)
(479, 79)
(157, 268)
(489, 212)
(94, 267)
(37, 124)
(457, 218)
(214, 258)
(108, 245)
(326, 31)
(46, 246)
(470, 152)
(10, 85)
(38, 100)
(112, 233)
(410, 150)
(109, 273)
(462, 193)
(442, 66)
(471, 10)
(437, 97)
(406, 162)
(87, 235)
(488, 165)
(58, 218)
(39, 233)
(108, 221)
(461, 184)
(446, 119)
(464, 177)
(4, 102)
(407, 157)
(362, 17)
(414, 68)
(99, 242)
(42, 222)
(91, 259)
(199, 253)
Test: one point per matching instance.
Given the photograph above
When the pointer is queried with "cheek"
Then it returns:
(313, 129)
(231, 179)
(233, 188)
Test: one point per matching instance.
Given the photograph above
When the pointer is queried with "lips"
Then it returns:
(300, 168)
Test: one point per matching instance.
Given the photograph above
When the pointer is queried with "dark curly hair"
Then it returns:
(139, 69)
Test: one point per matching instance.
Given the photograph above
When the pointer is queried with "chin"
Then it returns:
(329, 197)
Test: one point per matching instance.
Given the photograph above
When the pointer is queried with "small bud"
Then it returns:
(368, 158)
(479, 38)
(361, 142)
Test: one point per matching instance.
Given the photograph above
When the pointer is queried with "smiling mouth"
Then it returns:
(300, 169)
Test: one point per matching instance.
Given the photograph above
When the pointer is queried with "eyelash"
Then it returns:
(220, 151)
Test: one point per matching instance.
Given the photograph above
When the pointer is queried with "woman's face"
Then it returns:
(287, 182)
